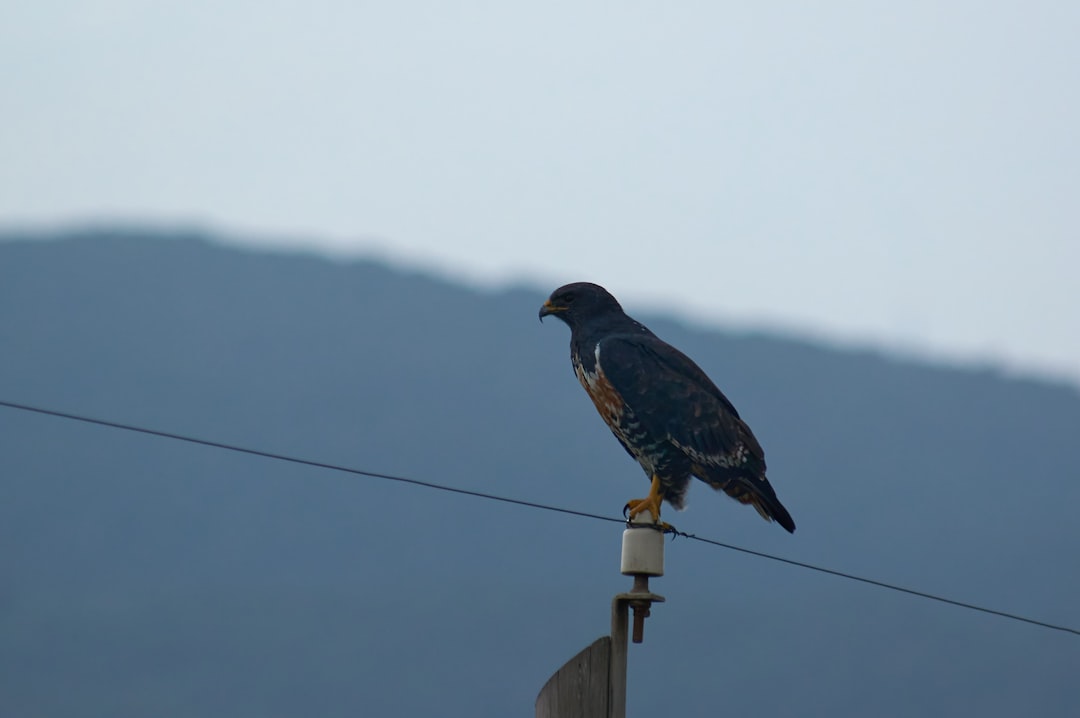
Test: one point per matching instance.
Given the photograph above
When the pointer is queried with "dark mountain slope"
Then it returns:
(145, 576)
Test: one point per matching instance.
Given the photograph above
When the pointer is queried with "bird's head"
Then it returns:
(578, 303)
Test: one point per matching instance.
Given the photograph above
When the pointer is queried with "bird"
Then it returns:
(662, 407)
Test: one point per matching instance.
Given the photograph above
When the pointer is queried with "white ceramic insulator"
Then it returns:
(643, 551)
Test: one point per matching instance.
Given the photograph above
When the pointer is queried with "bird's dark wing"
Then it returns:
(676, 403)
(671, 396)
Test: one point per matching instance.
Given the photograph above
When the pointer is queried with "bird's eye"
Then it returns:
(569, 298)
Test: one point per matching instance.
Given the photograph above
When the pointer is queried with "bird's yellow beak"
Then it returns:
(548, 308)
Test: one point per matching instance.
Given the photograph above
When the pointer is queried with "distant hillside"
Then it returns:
(143, 576)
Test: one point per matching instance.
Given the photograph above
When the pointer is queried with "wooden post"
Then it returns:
(580, 688)
(619, 645)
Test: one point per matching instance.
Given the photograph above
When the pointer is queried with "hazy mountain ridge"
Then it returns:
(218, 583)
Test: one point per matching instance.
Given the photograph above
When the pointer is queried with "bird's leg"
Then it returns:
(651, 503)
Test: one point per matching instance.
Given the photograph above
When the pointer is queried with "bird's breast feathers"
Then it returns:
(599, 388)
(614, 410)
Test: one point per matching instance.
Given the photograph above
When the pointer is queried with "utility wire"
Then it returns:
(882, 584)
(519, 502)
(297, 460)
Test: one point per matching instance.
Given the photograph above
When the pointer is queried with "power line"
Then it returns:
(297, 460)
(882, 584)
(519, 502)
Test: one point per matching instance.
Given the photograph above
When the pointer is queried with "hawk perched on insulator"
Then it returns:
(661, 407)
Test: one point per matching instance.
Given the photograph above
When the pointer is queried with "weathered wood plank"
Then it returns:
(580, 688)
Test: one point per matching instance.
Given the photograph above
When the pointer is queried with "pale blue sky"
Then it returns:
(893, 174)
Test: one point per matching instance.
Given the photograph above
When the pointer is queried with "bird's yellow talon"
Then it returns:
(650, 503)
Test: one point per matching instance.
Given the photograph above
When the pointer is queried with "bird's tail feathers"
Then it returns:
(759, 494)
